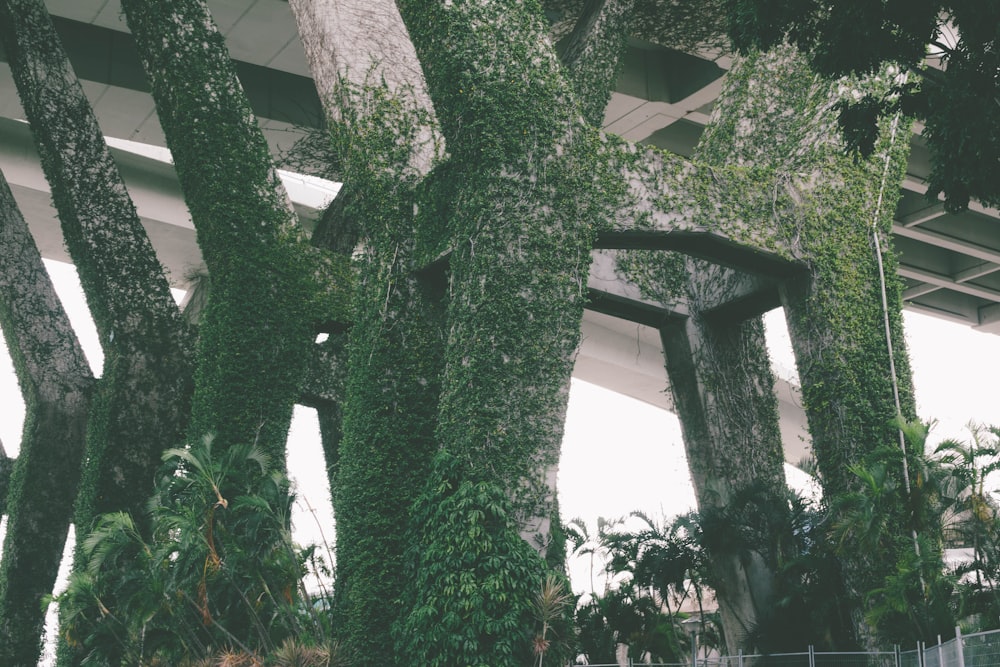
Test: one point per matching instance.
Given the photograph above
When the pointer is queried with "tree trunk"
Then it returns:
(57, 387)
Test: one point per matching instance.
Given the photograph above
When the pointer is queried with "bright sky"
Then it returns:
(619, 454)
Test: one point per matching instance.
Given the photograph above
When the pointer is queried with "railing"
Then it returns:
(981, 649)
(976, 650)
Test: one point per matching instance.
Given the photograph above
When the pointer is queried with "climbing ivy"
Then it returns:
(146, 346)
(37, 488)
(834, 310)
(775, 143)
(269, 287)
(520, 221)
(471, 574)
(395, 347)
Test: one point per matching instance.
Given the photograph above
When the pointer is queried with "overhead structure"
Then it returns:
(950, 262)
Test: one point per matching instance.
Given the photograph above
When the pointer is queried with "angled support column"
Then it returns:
(775, 111)
(384, 134)
(57, 386)
(723, 389)
(142, 403)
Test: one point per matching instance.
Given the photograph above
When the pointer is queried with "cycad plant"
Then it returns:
(220, 574)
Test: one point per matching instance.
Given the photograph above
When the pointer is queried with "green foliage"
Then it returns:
(220, 572)
(529, 187)
(656, 569)
(551, 607)
(474, 580)
(270, 288)
(900, 525)
(956, 101)
(398, 336)
(971, 521)
(915, 600)
(595, 636)
(6, 466)
(809, 604)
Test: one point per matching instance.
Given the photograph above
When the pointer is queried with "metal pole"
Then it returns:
(961, 649)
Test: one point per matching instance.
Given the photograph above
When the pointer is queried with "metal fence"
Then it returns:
(976, 650)
(981, 649)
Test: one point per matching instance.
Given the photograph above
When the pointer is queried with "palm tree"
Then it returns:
(898, 524)
(659, 566)
(972, 517)
(591, 546)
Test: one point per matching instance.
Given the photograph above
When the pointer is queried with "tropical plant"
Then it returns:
(972, 521)
(807, 603)
(656, 568)
(551, 607)
(590, 546)
(664, 560)
(219, 577)
(897, 521)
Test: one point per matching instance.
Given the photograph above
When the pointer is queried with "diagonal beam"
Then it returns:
(593, 54)
(38, 489)
(917, 218)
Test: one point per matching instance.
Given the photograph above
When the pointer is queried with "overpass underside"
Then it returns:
(949, 263)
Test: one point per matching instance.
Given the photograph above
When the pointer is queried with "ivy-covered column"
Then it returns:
(592, 54)
(723, 389)
(269, 287)
(385, 138)
(518, 268)
(723, 385)
(142, 404)
(834, 311)
(57, 387)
